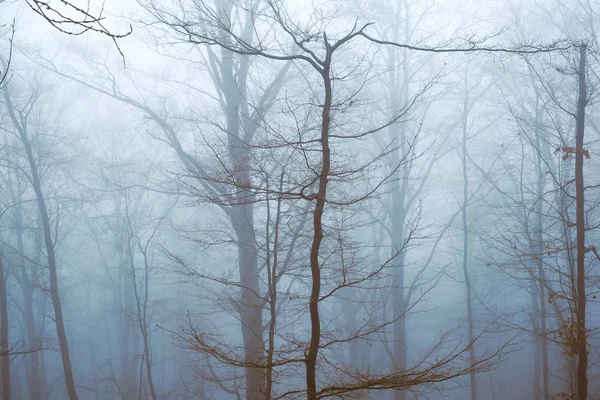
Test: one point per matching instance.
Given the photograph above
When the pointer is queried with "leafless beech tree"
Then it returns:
(286, 149)
(144, 247)
(557, 267)
(230, 72)
(537, 223)
(15, 195)
(313, 47)
(19, 115)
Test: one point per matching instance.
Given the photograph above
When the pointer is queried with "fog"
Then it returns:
(279, 199)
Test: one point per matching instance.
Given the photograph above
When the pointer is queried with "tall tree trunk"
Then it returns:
(242, 218)
(42, 314)
(544, 340)
(141, 308)
(582, 362)
(400, 348)
(128, 374)
(49, 245)
(128, 371)
(4, 348)
(148, 358)
(35, 380)
(536, 341)
(321, 196)
(465, 227)
(251, 309)
(272, 260)
(539, 254)
(399, 92)
(146, 335)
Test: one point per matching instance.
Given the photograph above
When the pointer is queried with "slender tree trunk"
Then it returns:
(315, 268)
(272, 264)
(35, 381)
(54, 292)
(272, 325)
(582, 362)
(400, 348)
(148, 363)
(128, 370)
(536, 341)
(539, 254)
(141, 308)
(398, 218)
(42, 314)
(544, 330)
(43, 375)
(399, 92)
(467, 277)
(537, 335)
(4, 348)
(146, 333)
(128, 379)
(50, 251)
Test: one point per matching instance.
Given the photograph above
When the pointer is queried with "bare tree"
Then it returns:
(4, 333)
(217, 31)
(19, 118)
(231, 74)
(232, 184)
(146, 248)
(581, 226)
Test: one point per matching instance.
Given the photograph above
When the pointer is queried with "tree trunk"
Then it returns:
(251, 309)
(4, 348)
(537, 348)
(472, 376)
(42, 314)
(582, 362)
(242, 220)
(272, 268)
(539, 261)
(398, 220)
(400, 349)
(148, 358)
(35, 381)
(49, 245)
(146, 335)
(128, 371)
(142, 308)
(315, 268)
(128, 374)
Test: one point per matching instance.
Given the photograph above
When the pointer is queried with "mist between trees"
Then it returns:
(276, 199)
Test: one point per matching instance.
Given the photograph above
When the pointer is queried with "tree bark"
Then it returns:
(582, 362)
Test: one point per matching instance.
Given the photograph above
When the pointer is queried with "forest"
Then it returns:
(290, 199)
